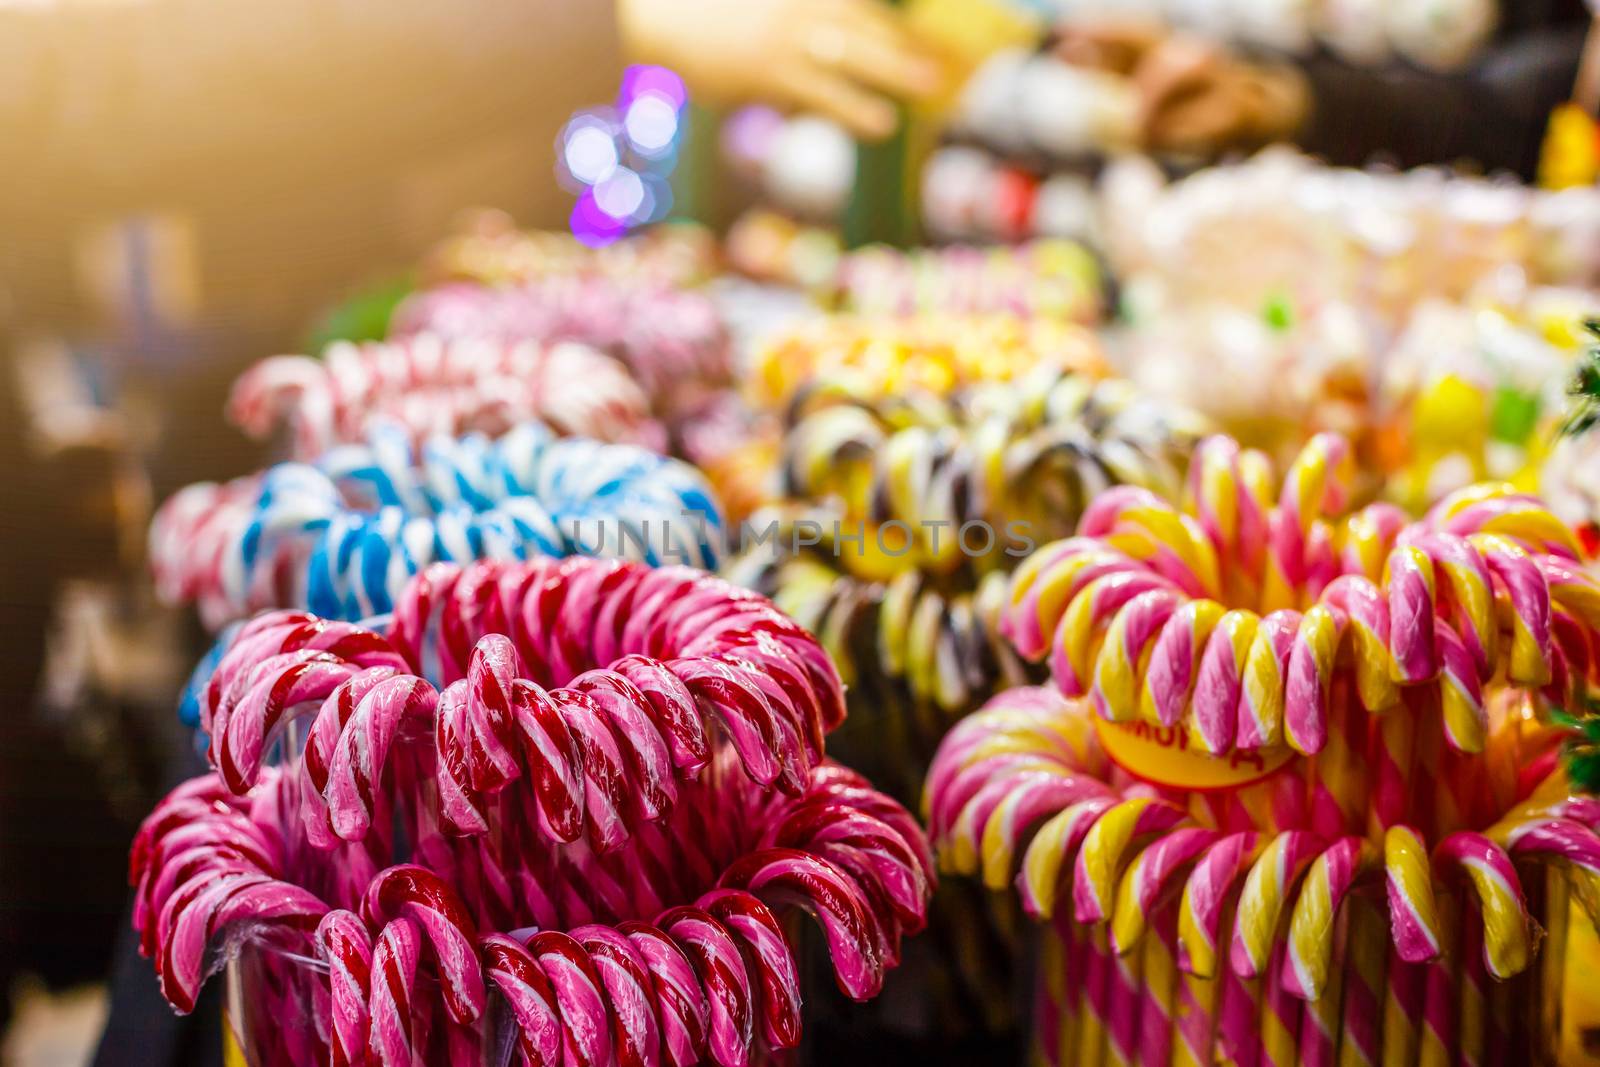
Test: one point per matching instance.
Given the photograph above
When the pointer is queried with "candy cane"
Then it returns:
(1500, 901)
(346, 946)
(1412, 912)
(1310, 941)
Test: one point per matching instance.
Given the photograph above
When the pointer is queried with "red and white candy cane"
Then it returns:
(345, 945)
(643, 665)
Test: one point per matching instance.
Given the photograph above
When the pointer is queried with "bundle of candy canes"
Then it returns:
(931, 354)
(1313, 714)
(432, 385)
(1047, 278)
(344, 534)
(595, 827)
(1031, 452)
(917, 504)
(672, 340)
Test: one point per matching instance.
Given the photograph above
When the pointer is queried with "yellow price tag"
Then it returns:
(1167, 755)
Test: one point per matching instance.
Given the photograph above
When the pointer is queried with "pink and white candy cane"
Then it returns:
(672, 341)
(433, 385)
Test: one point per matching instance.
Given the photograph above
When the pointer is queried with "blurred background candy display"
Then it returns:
(668, 531)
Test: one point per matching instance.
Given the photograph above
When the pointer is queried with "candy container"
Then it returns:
(597, 833)
(431, 385)
(344, 534)
(1291, 720)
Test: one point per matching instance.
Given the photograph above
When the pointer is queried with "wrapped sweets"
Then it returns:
(1472, 393)
(1047, 278)
(592, 837)
(343, 535)
(432, 385)
(672, 340)
(1319, 720)
(933, 354)
(1244, 234)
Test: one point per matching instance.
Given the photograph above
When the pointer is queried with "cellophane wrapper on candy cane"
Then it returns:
(1295, 792)
(595, 835)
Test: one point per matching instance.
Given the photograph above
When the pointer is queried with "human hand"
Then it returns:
(845, 59)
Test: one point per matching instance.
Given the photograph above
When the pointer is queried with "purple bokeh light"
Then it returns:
(591, 225)
(640, 79)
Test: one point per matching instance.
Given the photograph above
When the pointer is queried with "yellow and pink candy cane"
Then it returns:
(1316, 484)
(1116, 688)
(1148, 878)
(1262, 687)
(1171, 674)
(1281, 1015)
(1220, 679)
(1497, 890)
(1205, 896)
(1268, 886)
(1046, 583)
(1453, 1019)
(1366, 537)
(1166, 541)
(1311, 926)
(1159, 1010)
(1525, 592)
(1228, 491)
(1141, 923)
(1566, 842)
(1101, 856)
(1408, 575)
(1364, 961)
(1074, 645)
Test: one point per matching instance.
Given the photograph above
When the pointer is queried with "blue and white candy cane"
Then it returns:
(367, 517)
